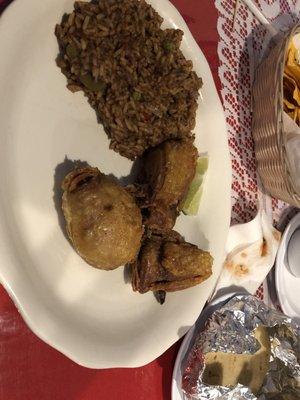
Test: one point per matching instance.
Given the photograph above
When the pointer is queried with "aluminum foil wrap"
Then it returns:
(230, 329)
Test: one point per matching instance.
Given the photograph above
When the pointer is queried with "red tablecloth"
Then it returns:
(30, 369)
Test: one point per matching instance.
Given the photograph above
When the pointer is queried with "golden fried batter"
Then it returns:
(103, 220)
(170, 264)
(168, 171)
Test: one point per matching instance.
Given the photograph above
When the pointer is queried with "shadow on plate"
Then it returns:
(133, 175)
(4, 5)
(127, 273)
(183, 330)
(202, 241)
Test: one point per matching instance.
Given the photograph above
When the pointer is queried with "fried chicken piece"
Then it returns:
(169, 264)
(103, 221)
(168, 170)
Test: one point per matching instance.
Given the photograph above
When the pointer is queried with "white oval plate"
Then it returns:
(91, 316)
(287, 285)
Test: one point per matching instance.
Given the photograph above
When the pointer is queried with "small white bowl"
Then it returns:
(293, 253)
(287, 284)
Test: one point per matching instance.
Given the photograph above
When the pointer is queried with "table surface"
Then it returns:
(30, 369)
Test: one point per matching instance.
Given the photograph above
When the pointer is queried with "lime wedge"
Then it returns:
(192, 201)
(202, 165)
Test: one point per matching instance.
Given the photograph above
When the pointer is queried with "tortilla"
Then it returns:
(229, 369)
(291, 83)
(292, 67)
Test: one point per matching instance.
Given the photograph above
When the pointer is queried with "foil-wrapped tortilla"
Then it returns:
(253, 346)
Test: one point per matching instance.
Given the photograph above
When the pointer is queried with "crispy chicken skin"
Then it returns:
(103, 221)
(169, 264)
(167, 173)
